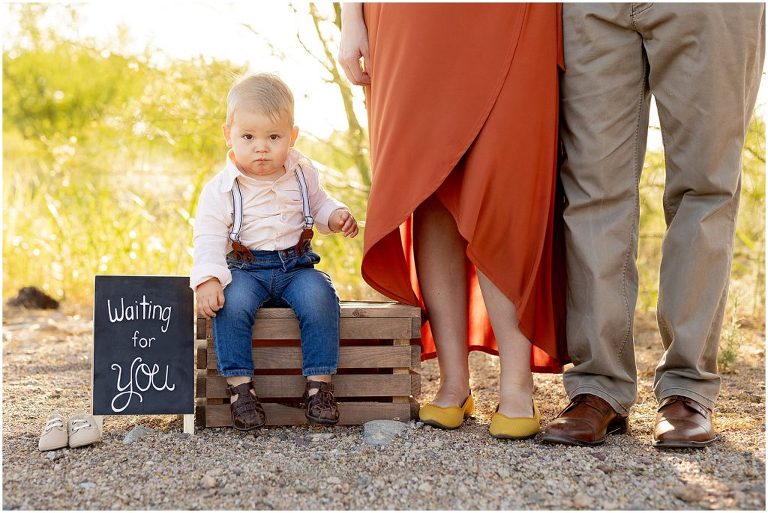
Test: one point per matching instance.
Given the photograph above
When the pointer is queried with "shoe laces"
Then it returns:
(688, 402)
(78, 424)
(585, 399)
(56, 422)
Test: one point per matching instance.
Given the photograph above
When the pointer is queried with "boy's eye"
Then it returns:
(247, 137)
(274, 137)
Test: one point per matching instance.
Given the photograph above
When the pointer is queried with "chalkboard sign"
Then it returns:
(143, 345)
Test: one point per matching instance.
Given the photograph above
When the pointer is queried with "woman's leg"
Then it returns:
(516, 381)
(439, 253)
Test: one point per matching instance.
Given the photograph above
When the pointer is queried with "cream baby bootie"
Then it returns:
(54, 434)
(83, 430)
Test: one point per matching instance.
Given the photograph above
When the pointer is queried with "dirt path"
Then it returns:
(46, 366)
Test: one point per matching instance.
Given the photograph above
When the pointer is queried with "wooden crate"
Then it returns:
(377, 375)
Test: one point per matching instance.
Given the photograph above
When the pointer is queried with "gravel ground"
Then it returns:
(46, 367)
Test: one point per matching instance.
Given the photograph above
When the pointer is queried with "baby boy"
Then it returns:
(252, 248)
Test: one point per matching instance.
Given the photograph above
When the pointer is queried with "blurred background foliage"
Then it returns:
(105, 154)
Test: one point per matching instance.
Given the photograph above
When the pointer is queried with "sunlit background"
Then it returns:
(112, 124)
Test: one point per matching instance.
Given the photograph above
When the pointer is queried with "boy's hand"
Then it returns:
(210, 298)
(342, 220)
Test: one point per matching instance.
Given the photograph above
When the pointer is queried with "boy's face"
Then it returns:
(260, 143)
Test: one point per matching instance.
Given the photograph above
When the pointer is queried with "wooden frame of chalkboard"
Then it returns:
(143, 352)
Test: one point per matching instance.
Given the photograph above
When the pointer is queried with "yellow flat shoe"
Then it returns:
(515, 428)
(449, 417)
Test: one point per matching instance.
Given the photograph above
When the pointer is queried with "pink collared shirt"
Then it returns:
(272, 215)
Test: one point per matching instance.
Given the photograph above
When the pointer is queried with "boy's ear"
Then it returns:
(294, 135)
(227, 134)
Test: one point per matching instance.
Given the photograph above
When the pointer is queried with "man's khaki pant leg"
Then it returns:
(705, 64)
(605, 102)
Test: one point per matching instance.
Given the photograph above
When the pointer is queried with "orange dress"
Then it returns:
(463, 103)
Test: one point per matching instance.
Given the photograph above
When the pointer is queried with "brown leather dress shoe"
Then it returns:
(588, 420)
(682, 423)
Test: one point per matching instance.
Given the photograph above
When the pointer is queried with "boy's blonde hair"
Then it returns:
(265, 92)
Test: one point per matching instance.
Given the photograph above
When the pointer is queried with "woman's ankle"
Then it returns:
(451, 394)
(516, 400)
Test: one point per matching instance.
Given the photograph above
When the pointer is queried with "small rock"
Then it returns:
(382, 432)
(229, 491)
(87, 485)
(739, 497)
(137, 433)
(582, 500)
(333, 480)
(208, 481)
(57, 467)
(605, 468)
(425, 487)
(32, 297)
(319, 437)
(689, 492)
(503, 473)
(599, 455)
(53, 455)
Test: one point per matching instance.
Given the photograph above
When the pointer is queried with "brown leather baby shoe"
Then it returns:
(247, 412)
(682, 423)
(321, 407)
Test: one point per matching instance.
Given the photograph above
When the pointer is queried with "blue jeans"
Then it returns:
(278, 278)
